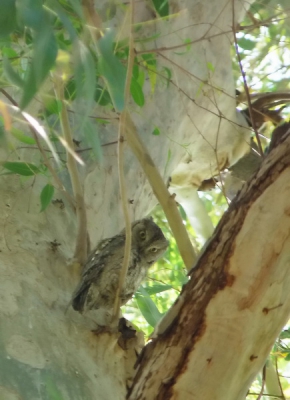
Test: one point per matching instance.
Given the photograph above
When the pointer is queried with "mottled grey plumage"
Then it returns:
(100, 277)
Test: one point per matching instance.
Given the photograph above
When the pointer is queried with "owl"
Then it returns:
(100, 277)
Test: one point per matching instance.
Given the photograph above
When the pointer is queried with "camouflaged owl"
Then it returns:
(101, 274)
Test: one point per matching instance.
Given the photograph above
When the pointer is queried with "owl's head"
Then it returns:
(149, 240)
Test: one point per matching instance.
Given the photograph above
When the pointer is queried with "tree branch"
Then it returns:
(165, 199)
(236, 301)
(81, 240)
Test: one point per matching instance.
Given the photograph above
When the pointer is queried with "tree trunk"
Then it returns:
(218, 334)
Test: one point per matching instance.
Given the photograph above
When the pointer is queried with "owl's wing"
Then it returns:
(92, 271)
(99, 263)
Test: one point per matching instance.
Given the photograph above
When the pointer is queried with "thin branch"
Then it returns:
(81, 240)
(245, 84)
(122, 183)
(263, 383)
(203, 37)
(166, 200)
(178, 46)
(46, 161)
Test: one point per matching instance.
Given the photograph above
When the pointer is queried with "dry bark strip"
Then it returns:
(217, 335)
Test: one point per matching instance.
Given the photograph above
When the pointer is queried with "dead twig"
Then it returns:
(245, 84)
(81, 240)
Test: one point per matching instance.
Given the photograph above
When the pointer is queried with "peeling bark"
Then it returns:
(218, 334)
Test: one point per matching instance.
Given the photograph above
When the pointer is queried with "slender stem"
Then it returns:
(122, 182)
(81, 240)
(245, 85)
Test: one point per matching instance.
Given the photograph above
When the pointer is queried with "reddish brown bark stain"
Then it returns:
(266, 310)
(208, 277)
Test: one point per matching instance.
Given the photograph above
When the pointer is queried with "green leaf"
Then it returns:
(44, 56)
(112, 70)
(7, 17)
(19, 135)
(102, 121)
(11, 74)
(92, 138)
(157, 288)
(137, 92)
(168, 73)
(52, 391)
(85, 75)
(102, 96)
(162, 7)
(135, 70)
(46, 196)
(150, 63)
(285, 334)
(210, 67)
(77, 6)
(246, 44)
(64, 18)
(21, 168)
(147, 307)
(53, 106)
(187, 48)
(149, 59)
(9, 52)
(32, 14)
(156, 131)
(70, 90)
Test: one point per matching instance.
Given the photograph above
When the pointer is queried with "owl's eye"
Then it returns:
(154, 249)
(142, 235)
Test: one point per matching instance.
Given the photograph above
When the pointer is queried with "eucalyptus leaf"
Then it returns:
(92, 138)
(246, 44)
(11, 74)
(46, 196)
(19, 135)
(113, 71)
(21, 168)
(162, 7)
(85, 74)
(44, 56)
(156, 131)
(7, 17)
(157, 288)
(147, 307)
(9, 52)
(137, 92)
(102, 96)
